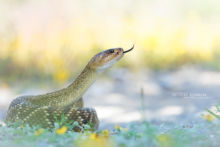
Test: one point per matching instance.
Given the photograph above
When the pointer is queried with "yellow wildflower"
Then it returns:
(22, 126)
(117, 127)
(38, 132)
(105, 133)
(164, 140)
(120, 128)
(163, 137)
(125, 129)
(94, 136)
(95, 141)
(208, 117)
(62, 130)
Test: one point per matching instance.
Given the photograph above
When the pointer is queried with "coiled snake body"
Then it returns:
(43, 110)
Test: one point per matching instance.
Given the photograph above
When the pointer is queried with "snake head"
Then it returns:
(107, 58)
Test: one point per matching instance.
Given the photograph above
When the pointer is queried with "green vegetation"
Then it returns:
(203, 133)
(138, 134)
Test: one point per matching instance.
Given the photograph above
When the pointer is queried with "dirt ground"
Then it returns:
(169, 96)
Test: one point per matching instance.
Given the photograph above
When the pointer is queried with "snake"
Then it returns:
(45, 109)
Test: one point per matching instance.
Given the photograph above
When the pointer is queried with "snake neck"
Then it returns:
(70, 94)
(86, 78)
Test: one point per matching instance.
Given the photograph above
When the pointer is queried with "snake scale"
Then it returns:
(45, 109)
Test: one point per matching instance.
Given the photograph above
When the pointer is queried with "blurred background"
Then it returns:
(176, 61)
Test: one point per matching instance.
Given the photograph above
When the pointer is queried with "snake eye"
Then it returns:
(111, 51)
